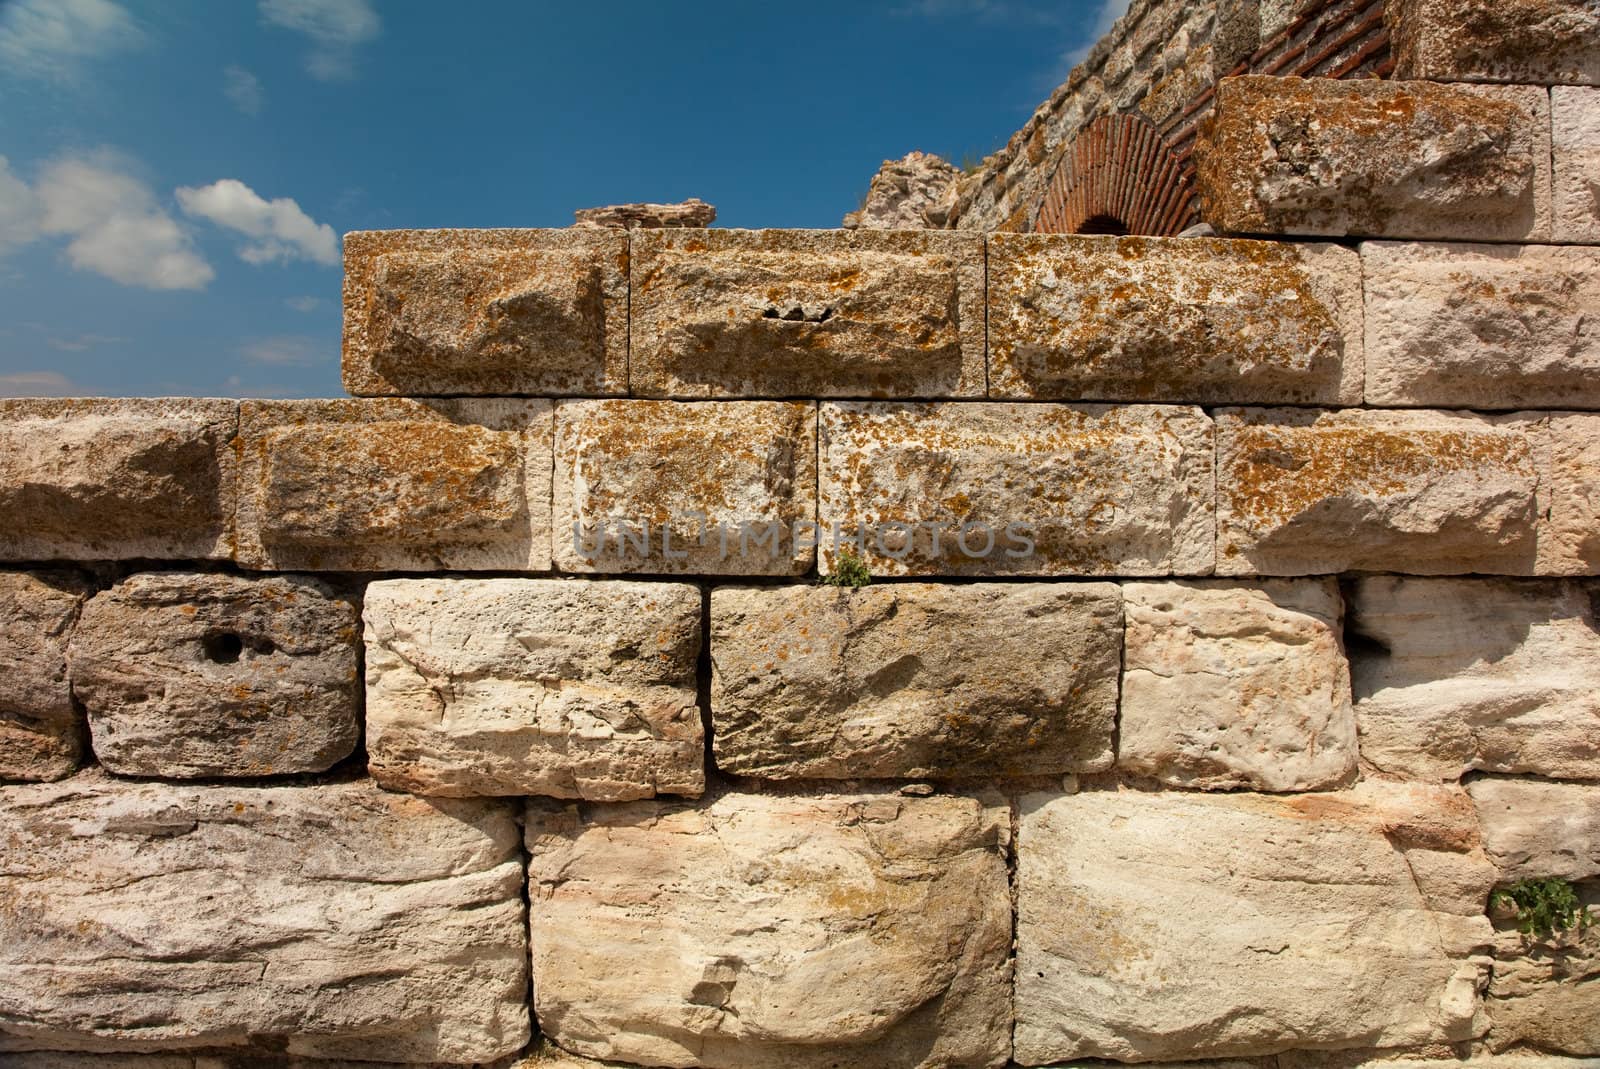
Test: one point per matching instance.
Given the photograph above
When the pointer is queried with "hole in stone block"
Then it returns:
(222, 647)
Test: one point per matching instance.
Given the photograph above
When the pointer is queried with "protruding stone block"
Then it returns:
(189, 675)
(485, 312)
(332, 921)
(774, 932)
(1372, 158)
(1230, 685)
(114, 479)
(680, 488)
(1539, 42)
(389, 485)
(1303, 492)
(914, 680)
(576, 689)
(41, 730)
(1536, 829)
(1206, 321)
(1568, 448)
(806, 313)
(1575, 136)
(992, 489)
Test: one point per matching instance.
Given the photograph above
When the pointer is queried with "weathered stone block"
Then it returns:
(485, 312)
(1177, 925)
(188, 675)
(1545, 992)
(41, 730)
(1567, 446)
(1575, 136)
(1207, 321)
(113, 479)
(576, 689)
(1526, 41)
(787, 313)
(1456, 675)
(333, 921)
(988, 488)
(685, 487)
(761, 931)
(1376, 158)
(383, 485)
(1230, 685)
(1534, 829)
(914, 680)
(1303, 492)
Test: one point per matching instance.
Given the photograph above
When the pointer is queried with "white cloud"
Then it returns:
(304, 304)
(335, 27)
(19, 210)
(38, 384)
(282, 231)
(244, 89)
(288, 350)
(53, 38)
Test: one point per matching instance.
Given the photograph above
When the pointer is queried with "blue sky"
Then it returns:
(175, 176)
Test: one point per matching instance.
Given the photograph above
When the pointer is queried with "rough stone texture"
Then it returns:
(112, 479)
(41, 730)
(1205, 320)
(1096, 489)
(914, 192)
(1575, 135)
(1534, 829)
(683, 488)
(1377, 159)
(1482, 326)
(187, 675)
(914, 680)
(1526, 41)
(805, 313)
(1432, 1057)
(333, 921)
(1317, 492)
(1546, 991)
(484, 312)
(1568, 449)
(763, 931)
(1456, 675)
(577, 689)
(693, 212)
(1230, 685)
(1180, 925)
(390, 484)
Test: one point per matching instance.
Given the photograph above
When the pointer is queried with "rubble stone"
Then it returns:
(693, 212)
(915, 192)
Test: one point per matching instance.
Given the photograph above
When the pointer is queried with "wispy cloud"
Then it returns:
(54, 39)
(38, 384)
(1105, 17)
(335, 27)
(244, 90)
(19, 210)
(282, 231)
(81, 343)
(287, 350)
(304, 304)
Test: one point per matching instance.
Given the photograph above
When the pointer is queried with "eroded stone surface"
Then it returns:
(1575, 135)
(577, 689)
(914, 192)
(1150, 319)
(1535, 829)
(693, 212)
(1568, 447)
(914, 680)
(41, 731)
(191, 675)
(784, 931)
(1545, 992)
(1525, 41)
(485, 312)
(1062, 489)
(113, 479)
(335, 921)
(803, 313)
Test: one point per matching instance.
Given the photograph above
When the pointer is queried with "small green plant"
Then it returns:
(848, 570)
(1543, 907)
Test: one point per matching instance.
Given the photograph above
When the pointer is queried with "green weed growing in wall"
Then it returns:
(1543, 907)
(848, 570)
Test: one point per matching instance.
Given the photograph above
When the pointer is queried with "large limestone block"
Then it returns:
(114, 479)
(1374, 158)
(390, 484)
(1208, 321)
(991, 489)
(807, 313)
(914, 680)
(1305, 492)
(1177, 925)
(1457, 675)
(571, 688)
(1568, 449)
(1524, 41)
(1231, 685)
(1534, 829)
(1482, 326)
(41, 730)
(1575, 135)
(757, 931)
(683, 488)
(485, 312)
(335, 921)
(188, 675)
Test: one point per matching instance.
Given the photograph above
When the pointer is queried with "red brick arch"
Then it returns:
(1118, 177)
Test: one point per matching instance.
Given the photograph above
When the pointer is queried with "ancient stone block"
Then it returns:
(1456, 675)
(1179, 925)
(576, 689)
(803, 313)
(1377, 158)
(112, 479)
(1575, 136)
(685, 487)
(189, 675)
(1236, 685)
(1540, 42)
(914, 680)
(41, 730)
(332, 921)
(390, 484)
(1305, 492)
(989, 489)
(761, 931)
(1535, 829)
(1150, 319)
(1545, 991)
(485, 312)
(1568, 449)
